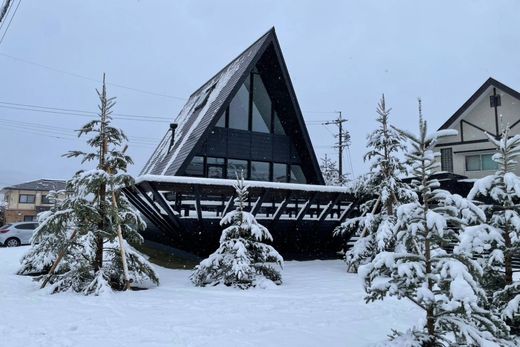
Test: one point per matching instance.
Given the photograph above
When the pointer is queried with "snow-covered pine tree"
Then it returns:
(80, 233)
(500, 242)
(387, 191)
(242, 259)
(50, 237)
(330, 172)
(444, 285)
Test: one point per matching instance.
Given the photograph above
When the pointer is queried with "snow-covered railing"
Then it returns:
(179, 205)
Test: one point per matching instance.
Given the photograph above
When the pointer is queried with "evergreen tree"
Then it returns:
(444, 285)
(330, 172)
(500, 241)
(80, 235)
(386, 190)
(50, 237)
(241, 260)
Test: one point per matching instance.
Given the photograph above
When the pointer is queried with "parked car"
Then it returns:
(16, 234)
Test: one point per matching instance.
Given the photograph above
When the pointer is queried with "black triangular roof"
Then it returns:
(199, 114)
(489, 82)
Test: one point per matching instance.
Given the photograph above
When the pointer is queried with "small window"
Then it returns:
(28, 219)
(27, 198)
(488, 164)
(259, 171)
(297, 175)
(279, 172)
(481, 162)
(236, 166)
(196, 167)
(446, 159)
(473, 163)
(215, 167)
(46, 200)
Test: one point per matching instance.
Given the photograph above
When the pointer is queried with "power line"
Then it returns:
(90, 78)
(81, 111)
(143, 119)
(10, 20)
(60, 132)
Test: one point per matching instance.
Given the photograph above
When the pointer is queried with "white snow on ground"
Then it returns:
(319, 304)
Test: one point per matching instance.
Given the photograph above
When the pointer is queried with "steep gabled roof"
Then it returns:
(39, 185)
(199, 111)
(489, 82)
(206, 103)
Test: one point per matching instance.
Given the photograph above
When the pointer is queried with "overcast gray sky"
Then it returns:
(341, 56)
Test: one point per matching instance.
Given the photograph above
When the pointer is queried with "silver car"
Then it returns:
(16, 234)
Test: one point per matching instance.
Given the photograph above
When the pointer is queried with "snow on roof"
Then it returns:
(231, 182)
(39, 185)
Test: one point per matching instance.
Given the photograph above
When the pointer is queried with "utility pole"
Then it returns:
(343, 138)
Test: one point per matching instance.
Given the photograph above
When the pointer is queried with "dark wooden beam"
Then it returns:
(349, 209)
(306, 206)
(198, 207)
(148, 212)
(165, 206)
(328, 208)
(228, 205)
(144, 193)
(259, 201)
(281, 208)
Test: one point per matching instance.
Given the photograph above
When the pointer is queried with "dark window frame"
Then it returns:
(447, 159)
(46, 200)
(269, 169)
(250, 109)
(26, 195)
(481, 169)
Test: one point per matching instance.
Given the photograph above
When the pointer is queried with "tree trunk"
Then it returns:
(98, 261)
(508, 257)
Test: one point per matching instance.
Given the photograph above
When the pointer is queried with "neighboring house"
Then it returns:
(26, 200)
(246, 119)
(489, 110)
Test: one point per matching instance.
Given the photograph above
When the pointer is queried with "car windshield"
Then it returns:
(5, 226)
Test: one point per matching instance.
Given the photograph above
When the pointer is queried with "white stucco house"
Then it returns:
(489, 110)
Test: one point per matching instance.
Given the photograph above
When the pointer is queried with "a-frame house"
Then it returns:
(245, 118)
(489, 110)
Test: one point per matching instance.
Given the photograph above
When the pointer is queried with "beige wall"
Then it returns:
(483, 116)
(15, 211)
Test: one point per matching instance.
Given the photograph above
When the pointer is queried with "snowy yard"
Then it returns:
(318, 305)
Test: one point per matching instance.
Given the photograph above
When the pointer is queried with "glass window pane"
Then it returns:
(222, 121)
(297, 175)
(488, 163)
(259, 171)
(196, 167)
(279, 172)
(215, 171)
(446, 159)
(473, 163)
(216, 161)
(236, 166)
(278, 128)
(261, 106)
(239, 109)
